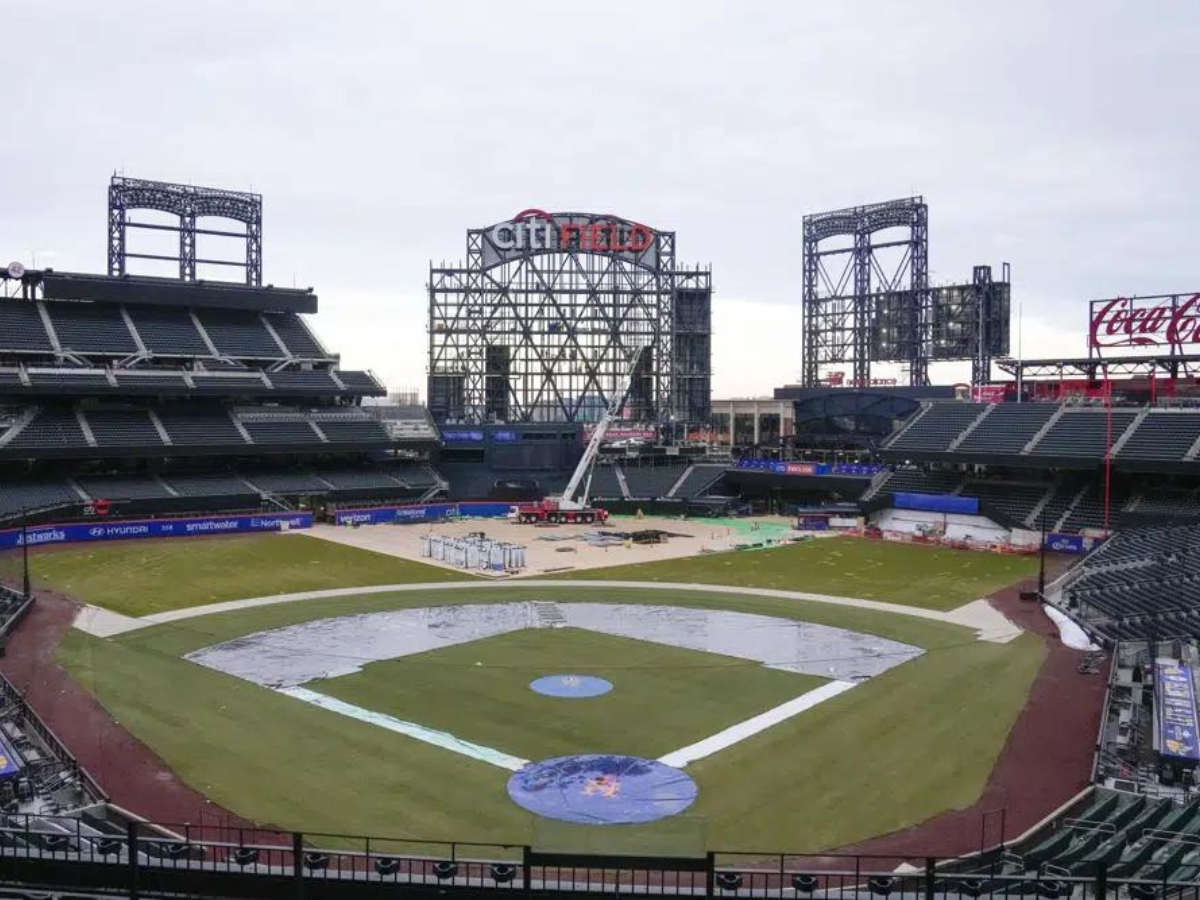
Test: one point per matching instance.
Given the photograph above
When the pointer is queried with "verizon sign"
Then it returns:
(1169, 321)
(537, 231)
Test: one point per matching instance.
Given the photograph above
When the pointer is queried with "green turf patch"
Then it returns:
(663, 698)
(894, 572)
(138, 578)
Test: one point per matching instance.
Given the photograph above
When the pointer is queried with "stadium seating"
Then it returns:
(91, 327)
(1163, 435)
(1089, 510)
(207, 485)
(651, 481)
(1082, 433)
(1017, 500)
(121, 487)
(150, 381)
(347, 479)
(364, 431)
(698, 480)
(21, 327)
(123, 428)
(239, 333)
(194, 428)
(937, 427)
(89, 380)
(22, 495)
(1141, 583)
(168, 331)
(288, 432)
(318, 382)
(1007, 428)
(605, 484)
(919, 481)
(296, 482)
(295, 335)
(50, 429)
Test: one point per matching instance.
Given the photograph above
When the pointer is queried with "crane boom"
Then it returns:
(568, 501)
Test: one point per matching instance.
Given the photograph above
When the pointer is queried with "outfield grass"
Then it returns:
(912, 574)
(663, 698)
(917, 740)
(160, 575)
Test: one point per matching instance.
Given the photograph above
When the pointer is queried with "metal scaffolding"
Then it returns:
(539, 323)
(869, 300)
(189, 203)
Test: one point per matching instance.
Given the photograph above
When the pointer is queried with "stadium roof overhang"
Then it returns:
(1094, 368)
(142, 289)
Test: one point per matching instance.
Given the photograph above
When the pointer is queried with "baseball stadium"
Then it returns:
(572, 624)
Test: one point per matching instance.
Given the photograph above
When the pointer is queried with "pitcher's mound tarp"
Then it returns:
(602, 789)
(571, 686)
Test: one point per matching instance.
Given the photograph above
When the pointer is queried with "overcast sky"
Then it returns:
(1058, 136)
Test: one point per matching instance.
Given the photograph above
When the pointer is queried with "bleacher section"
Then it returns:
(48, 430)
(651, 482)
(123, 428)
(937, 427)
(918, 481)
(193, 428)
(239, 334)
(1162, 435)
(605, 485)
(698, 480)
(1142, 583)
(1007, 428)
(89, 327)
(16, 497)
(167, 331)
(1082, 433)
(290, 433)
(119, 487)
(295, 335)
(21, 327)
(1016, 500)
(1078, 438)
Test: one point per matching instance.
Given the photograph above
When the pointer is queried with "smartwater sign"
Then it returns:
(1176, 697)
(152, 528)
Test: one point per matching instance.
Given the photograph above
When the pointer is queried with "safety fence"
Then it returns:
(142, 859)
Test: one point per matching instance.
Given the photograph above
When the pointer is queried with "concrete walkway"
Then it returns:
(988, 623)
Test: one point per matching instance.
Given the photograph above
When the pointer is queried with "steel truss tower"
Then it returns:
(868, 300)
(188, 203)
(540, 322)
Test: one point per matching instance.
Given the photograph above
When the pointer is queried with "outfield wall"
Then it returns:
(75, 532)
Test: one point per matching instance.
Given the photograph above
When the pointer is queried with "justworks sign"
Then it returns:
(535, 230)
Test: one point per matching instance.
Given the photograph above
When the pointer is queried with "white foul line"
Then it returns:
(752, 726)
(441, 739)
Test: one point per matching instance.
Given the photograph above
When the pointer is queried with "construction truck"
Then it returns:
(572, 505)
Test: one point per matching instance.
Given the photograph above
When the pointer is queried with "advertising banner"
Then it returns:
(777, 467)
(152, 528)
(1176, 699)
(1069, 543)
(1162, 321)
(988, 393)
(943, 503)
(420, 512)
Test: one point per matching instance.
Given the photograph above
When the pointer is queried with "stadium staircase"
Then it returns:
(1041, 432)
(975, 423)
(907, 426)
(19, 425)
(621, 481)
(679, 481)
(1193, 451)
(1129, 432)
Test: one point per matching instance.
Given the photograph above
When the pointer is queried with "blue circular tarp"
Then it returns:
(602, 789)
(571, 686)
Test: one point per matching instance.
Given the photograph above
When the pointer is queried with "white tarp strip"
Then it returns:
(411, 729)
(742, 730)
(1072, 635)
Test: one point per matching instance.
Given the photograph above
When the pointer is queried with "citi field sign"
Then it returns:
(1167, 321)
(537, 231)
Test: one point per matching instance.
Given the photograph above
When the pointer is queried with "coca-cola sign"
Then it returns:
(1145, 322)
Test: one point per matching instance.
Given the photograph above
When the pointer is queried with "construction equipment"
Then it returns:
(572, 505)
